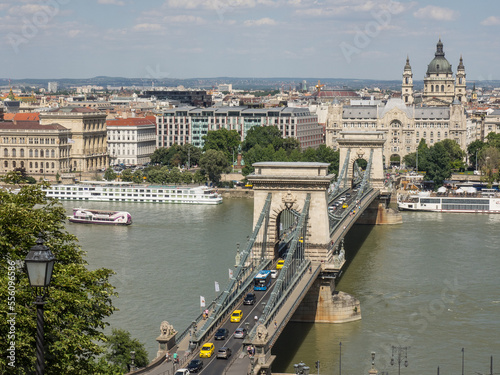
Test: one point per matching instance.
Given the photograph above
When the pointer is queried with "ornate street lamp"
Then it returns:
(132, 360)
(400, 351)
(39, 265)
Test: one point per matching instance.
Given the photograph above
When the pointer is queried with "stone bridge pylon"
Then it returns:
(289, 184)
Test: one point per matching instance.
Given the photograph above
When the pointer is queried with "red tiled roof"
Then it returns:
(8, 116)
(132, 121)
(33, 116)
(30, 125)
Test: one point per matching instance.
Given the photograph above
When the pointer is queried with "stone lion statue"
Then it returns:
(166, 329)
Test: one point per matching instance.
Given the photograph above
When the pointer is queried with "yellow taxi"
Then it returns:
(236, 316)
(345, 205)
(280, 264)
(207, 350)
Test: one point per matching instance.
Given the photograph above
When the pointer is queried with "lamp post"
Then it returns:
(340, 358)
(39, 266)
(400, 351)
(132, 360)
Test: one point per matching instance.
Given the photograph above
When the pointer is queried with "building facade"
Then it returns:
(440, 116)
(131, 141)
(88, 136)
(190, 124)
(42, 150)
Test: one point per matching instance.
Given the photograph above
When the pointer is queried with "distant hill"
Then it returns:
(239, 83)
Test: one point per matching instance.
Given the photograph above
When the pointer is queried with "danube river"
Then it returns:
(431, 284)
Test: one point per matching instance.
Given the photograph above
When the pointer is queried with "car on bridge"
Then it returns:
(274, 274)
(224, 352)
(280, 264)
(207, 350)
(345, 205)
(182, 371)
(221, 334)
(195, 365)
(236, 316)
(240, 333)
(249, 299)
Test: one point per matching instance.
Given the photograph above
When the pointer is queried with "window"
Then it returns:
(5, 152)
(14, 152)
(22, 152)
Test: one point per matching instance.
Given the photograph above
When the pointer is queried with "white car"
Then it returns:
(274, 274)
(182, 371)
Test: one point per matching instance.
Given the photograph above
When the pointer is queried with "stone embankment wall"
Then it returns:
(236, 193)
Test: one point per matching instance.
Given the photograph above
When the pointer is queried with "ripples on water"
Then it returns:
(431, 284)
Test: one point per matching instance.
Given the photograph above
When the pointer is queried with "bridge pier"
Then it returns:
(379, 213)
(323, 304)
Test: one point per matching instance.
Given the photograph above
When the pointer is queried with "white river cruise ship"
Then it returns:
(127, 192)
(487, 201)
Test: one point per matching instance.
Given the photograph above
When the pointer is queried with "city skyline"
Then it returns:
(160, 39)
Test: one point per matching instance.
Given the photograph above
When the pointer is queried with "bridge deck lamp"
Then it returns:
(39, 266)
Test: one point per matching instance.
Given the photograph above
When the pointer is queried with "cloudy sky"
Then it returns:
(245, 38)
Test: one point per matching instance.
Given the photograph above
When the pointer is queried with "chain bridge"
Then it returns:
(301, 216)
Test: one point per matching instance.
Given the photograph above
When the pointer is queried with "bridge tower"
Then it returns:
(361, 144)
(289, 184)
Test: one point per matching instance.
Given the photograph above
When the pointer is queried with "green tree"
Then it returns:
(455, 153)
(119, 345)
(137, 176)
(490, 165)
(263, 136)
(493, 140)
(474, 150)
(110, 174)
(223, 140)
(438, 166)
(79, 301)
(199, 178)
(160, 156)
(187, 177)
(175, 176)
(177, 155)
(214, 163)
(127, 175)
(326, 154)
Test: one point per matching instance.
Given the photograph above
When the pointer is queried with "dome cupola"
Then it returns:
(439, 64)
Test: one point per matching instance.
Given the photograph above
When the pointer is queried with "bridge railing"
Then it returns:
(293, 269)
(243, 276)
(342, 177)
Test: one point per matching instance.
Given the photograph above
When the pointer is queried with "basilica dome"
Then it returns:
(439, 64)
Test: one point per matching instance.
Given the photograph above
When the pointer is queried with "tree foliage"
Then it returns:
(214, 163)
(227, 141)
(119, 345)
(110, 174)
(177, 155)
(79, 301)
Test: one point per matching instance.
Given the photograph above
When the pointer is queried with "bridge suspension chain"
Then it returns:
(242, 275)
(295, 264)
(341, 177)
(365, 183)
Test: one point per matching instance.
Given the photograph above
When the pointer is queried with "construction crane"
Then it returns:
(319, 86)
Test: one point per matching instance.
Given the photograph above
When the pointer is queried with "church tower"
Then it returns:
(407, 86)
(460, 91)
(439, 84)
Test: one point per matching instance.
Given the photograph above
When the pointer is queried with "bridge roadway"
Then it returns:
(239, 363)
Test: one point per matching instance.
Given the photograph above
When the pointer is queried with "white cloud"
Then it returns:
(260, 22)
(183, 18)
(491, 21)
(73, 33)
(111, 2)
(218, 4)
(147, 27)
(436, 13)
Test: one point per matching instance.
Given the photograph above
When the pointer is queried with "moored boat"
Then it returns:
(487, 201)
(88, 216)
(127, 192)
